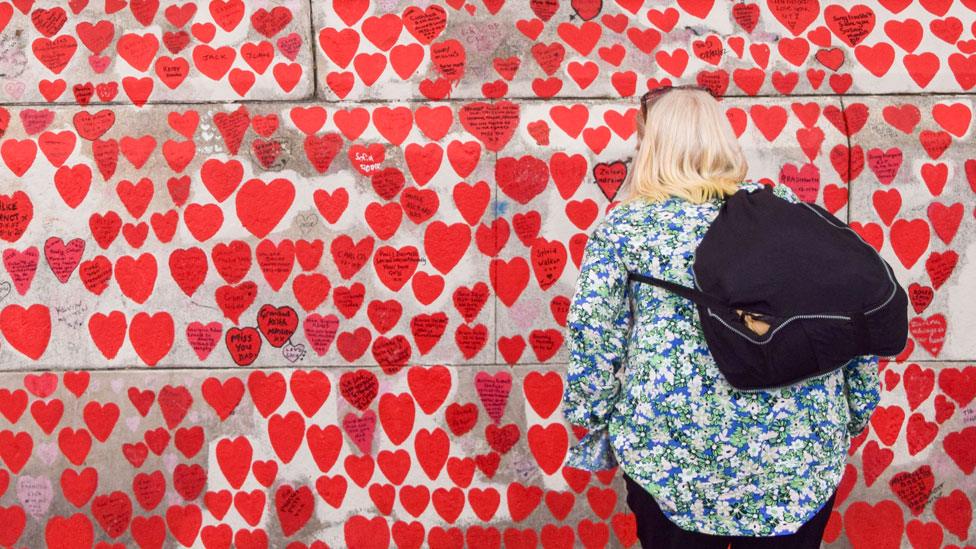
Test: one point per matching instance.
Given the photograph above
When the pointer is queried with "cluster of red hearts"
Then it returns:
(131, 207)
(85, 50)
(908, 162)
(929, 509)
(432, 468)
(767, 46)
(909, 150)
(148, 52)
(276, 233)
(130, 223)
(378, 431)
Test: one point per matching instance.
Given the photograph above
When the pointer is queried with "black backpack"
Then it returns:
(786, 292)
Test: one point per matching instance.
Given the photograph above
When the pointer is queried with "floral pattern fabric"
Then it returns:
(717, 460)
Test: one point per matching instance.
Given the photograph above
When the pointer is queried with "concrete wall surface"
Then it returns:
(263, 285)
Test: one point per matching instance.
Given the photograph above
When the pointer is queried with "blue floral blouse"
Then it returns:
(717, 460)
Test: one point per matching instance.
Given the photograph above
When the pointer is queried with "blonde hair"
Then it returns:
(686, 148)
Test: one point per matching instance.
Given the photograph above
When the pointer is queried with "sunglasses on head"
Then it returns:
(648, 97)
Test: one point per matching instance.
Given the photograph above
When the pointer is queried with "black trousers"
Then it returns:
(656, 531)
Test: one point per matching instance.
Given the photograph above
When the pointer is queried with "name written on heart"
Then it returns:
(969, 416)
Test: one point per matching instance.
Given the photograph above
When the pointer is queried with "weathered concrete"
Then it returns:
(914, 196)
(449, 321)
(544, 48)
(149, 51)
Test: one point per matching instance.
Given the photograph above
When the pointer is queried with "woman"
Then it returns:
(705, 465)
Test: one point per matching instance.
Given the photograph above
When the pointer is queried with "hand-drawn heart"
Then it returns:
(261, 206)
(461, 418)
(929, 332)
(234, 459)
(886, 422)
(17, 214)
(527, 226)
(955, 512)
(548, 446)
(874, 461)
(383, 497)
(431, 448)
(880, 525)
(920, 433)
(221, 178)
(543, 392)
(548, 261)
(324, 445)
(521, 179)
(919, 383)
(396, 414)
(77, 528)
(293, 352)
(277, 324)
(28, 330)
(151, 336)
(244, 344)
(493, 390)
(21, 266)
(959, 384)
(493, 124)
(945, 219)
(360, 531)
(360, 429)
(502, 439)
(429, 386)
(913, 488)
(886, 203)
(294, 506)
(608, 176)
(939, 266)
(136, 276)
(224, 396)
(851, 26)
(909, 239)
(276, 261)
(108, 332)
(63, 258)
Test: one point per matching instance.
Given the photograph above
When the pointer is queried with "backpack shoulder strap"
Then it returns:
(698, 297)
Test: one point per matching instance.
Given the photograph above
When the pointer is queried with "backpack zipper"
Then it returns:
(772, 333)
(894, 287)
